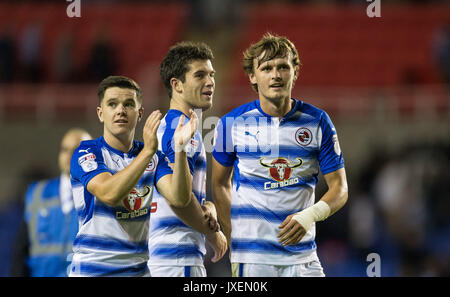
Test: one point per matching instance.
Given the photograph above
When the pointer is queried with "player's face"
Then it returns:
(275, 78)
(198, 87)
(119, 111)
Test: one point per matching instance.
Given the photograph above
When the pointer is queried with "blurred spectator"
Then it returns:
(441, 48)
(11, 213)
(44, 243)
(407, 190)
(63, 58)
(30, 52)
(212, 15)
(6, 56)
(102, 60)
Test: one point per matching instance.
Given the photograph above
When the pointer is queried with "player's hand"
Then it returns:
(218, 242)
(149, 132)
(210, 214)
(291, 231)
(184, 133)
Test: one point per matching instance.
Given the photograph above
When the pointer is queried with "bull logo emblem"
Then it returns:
(134, 200)
(280, 169)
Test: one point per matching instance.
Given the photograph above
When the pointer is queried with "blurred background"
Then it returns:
(384, 81)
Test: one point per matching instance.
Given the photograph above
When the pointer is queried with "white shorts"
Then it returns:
(309, 269)
(177, 271)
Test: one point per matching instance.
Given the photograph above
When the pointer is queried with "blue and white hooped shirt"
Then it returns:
(171, 242)
(276, 166)
(112, 241)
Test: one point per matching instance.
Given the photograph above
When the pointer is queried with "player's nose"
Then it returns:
(121, 109)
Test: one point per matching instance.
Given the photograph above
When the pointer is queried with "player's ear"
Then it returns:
(296, 72)
(100, 113)
(252, 78)
(176, 84)
(141, 113)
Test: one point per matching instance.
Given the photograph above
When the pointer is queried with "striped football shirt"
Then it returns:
(112, 241)
(276, 166)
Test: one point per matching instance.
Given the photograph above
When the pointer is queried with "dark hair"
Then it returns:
(273, 46)
(120, 82)
(175, 63)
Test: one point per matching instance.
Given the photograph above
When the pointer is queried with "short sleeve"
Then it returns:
(167, 144)
(330, 155)
(87, 162)
(223, 149)
(163, 167)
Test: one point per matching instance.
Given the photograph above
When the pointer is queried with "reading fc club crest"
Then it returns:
(303, 136)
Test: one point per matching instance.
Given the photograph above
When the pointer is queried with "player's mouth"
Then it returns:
(276, 86)
(208, 94)
(121, 121)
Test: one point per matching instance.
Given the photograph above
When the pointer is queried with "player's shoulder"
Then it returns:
(311, 110)
(87, 148)
(241, 110)
(89, 144)
(169, 123)
(171, 118)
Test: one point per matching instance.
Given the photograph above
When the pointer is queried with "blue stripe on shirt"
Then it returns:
(256, 152)
(98, 269)
(262, 184)
(176, 251)
(167, 222)
(109, 244)
(249, 211)
(266, 246)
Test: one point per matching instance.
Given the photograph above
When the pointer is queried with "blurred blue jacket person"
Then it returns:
(44, 243)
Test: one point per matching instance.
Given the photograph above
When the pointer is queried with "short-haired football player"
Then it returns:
(188, 75)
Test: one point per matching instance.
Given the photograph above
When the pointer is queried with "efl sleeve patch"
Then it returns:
(87, 162)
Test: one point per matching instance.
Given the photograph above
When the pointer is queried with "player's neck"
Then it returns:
(278, 107)
(123, 143)
(182, 106)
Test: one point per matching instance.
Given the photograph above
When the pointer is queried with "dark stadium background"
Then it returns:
(383, 80)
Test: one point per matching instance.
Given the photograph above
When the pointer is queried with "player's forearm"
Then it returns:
(192, 215)
(113, 189)
(222, 201)
(331, 202)
(181, 184)
(336, 196)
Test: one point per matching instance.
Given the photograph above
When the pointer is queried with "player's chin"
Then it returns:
(122, 129)
(205, 105)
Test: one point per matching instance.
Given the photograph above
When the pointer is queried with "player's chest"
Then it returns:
(271, 139)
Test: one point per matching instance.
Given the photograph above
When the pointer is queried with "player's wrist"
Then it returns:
(318, 212)
(147, 153)
(180, 148)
